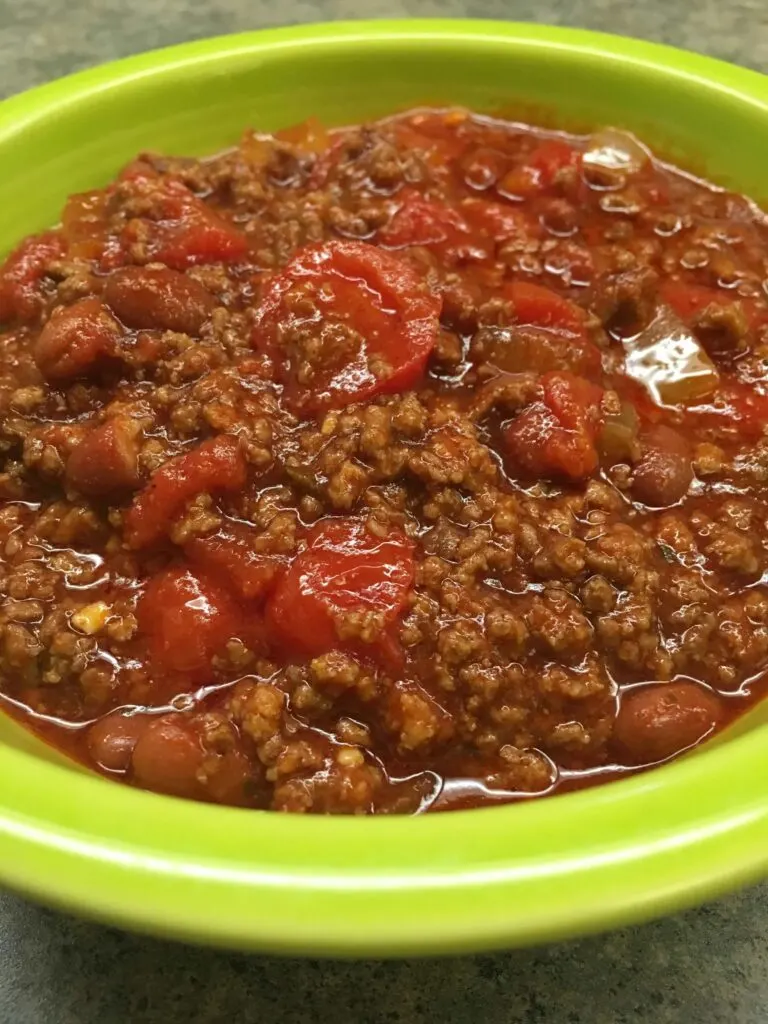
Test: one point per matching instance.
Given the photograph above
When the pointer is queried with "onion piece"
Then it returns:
(618, 437)
(667, 358)
(310, 136)
(612, 150)
(257, 149)
(84, 223)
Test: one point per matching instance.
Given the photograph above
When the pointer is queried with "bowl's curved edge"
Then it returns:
(751, 86)
(425, 899)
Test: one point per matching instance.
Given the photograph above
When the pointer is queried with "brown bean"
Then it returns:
(159, 298)
(75, 339)
(167, 758)
(234, 776)
(657, 721)
(664, 473)
(111, 740)
(522, 348)
(105, 461)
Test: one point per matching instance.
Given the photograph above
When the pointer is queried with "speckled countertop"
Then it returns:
(709, 966)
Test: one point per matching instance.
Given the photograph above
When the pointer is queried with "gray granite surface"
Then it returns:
(709, 966)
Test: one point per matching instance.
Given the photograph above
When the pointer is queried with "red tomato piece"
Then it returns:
(216, 465)
(551, 157)
(474, 225)
(537, 305)
(540, 170)
(231, 556)
(182, 231)
(21, 274)
(105, 461)
(573, 400)
(556, 435)
(368, 312)
(688, 300)
(187, 619)
(422, 221)
(734, 408)
(500, 221)
(344, 569)
(199, 239)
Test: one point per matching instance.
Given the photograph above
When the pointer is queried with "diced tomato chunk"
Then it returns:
(421, 221)
(573, 400)
(187, 619)
(76, 339)
(476, 224)
(688, 300)
(217, 465)
(537, 305)
(182, 231)
(556, 435)
(22, 272)
(500, 221)
(203, 239)
(105, 461)
(735, 408)
(539, 171)
(232, 556)
(345, 321)
(551, 157)
(344, 570)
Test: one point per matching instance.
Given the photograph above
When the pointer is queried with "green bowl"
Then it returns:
(351, 886)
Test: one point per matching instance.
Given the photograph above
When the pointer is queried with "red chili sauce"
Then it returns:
(413, 465)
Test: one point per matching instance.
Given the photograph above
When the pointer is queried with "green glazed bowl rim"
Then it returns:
(468, 880)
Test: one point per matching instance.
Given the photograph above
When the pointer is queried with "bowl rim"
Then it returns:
(462, 881)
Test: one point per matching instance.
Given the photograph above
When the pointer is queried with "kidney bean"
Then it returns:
(657, 721)
(157, 297)
(111, 740)
(75, 339)
(167, 758)
(664, 473)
